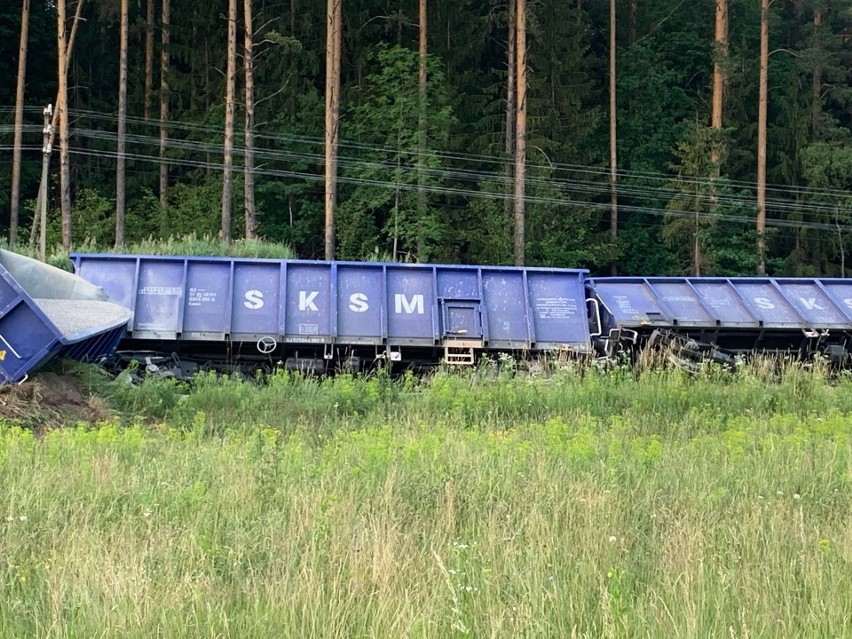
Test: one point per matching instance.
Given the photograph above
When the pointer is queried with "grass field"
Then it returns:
(581, 504)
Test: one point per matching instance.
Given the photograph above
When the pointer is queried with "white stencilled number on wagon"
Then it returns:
(415, 305)
(306, 301)
(764, 303)
(254, 299)
(810, 303)
(848, 303)
(358, 303)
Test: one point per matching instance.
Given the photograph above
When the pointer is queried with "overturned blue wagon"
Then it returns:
(718, 317)
(47, 313)
(311, 315)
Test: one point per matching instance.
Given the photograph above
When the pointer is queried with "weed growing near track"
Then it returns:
(587, 503)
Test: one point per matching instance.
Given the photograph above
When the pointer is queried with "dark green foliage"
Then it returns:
(664, 81)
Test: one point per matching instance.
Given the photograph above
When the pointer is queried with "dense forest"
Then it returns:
(472, 131)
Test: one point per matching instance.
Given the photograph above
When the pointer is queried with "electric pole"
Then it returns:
(46, 148)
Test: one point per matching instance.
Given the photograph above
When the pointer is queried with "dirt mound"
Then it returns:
(50, 399)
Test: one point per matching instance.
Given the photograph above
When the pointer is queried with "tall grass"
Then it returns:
(587, 504)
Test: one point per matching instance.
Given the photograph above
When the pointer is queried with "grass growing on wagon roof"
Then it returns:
(586, 503)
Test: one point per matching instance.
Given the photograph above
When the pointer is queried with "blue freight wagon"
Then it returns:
(309, 313)
(711, 316)
(47, 313)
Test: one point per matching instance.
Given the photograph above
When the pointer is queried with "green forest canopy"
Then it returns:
(665, 58)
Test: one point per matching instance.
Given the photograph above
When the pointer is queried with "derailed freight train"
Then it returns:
(47, 313)
(320, 316)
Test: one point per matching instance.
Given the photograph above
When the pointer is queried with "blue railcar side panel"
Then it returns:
(159, 297)
(255, 300)
(208, 286)
(117, 278)
(840, 292)
(458, 283)
(26, 340)
(359, 303)
(726, 306)
(506, 308)
(683, 302)
(630, 301)
(813, 303)
(459, 302)
(764, 301)
(309, 303)
(559, 308)
(410, 304)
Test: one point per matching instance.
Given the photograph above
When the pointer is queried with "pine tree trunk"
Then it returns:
(230, 90)
(720, 82)
(520, 129)
(761, 137)
(422, 204)
(54, 122)
(510, 113)
(332, 118)
(248, 60)
(816, 86)
(19, 125)
(613, 140)
(62, 107)
(122, 126)
(164, 112)
(149, 57)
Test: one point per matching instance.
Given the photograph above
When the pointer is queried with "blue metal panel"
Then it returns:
(505, 307)
(208, 288)
(308, 303)
(411, 305)
(812, 303)
(359, 303)
(558, 303)
(117, 277)
(461, 319)
(159, 296)
(458, 283)
(683, 302)
(254, 311)
(840, 292)
(631, 301)
(726, 307)
(27, 340)
(764, 301)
